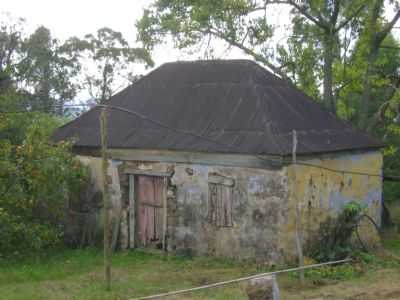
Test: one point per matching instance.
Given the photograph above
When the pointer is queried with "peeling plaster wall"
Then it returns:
(114, 186)
(258, 208)
(258, 199)
(322, 193)
(263, 203)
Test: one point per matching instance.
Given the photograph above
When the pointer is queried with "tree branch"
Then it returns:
(390, 91)
(335, 14)
(351, 17)
(388, 27)
(318, 21)
(248, 51)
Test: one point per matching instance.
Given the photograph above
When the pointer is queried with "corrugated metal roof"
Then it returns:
(234, 102)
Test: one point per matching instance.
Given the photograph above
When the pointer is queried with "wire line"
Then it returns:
(280, 161)
(270, 160)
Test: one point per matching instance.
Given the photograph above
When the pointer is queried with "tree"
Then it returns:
(376, 31)
(37, 67)
(301, 58)
(112, 60)
(37, 178)
(329, 17)
(11, 39)
(47, 72)
(244, 24)
(240, 23)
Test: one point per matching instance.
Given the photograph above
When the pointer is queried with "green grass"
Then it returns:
(393, 245)
(78, 274)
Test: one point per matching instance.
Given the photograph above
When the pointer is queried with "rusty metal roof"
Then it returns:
(234, 102)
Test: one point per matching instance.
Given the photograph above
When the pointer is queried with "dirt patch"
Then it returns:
(381, 284)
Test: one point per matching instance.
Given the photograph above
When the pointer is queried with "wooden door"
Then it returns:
(150, 199)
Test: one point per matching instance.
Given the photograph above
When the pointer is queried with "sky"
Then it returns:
(79, 17)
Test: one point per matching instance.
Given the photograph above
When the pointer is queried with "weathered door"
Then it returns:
(150, 199)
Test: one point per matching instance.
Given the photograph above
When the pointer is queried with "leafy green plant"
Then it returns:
(19, 239)
(37, 178)
(335, 234)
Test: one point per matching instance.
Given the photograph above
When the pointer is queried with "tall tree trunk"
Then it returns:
(371, 58)
(375, 40)
(366, 96)
(328, 98)
(103, 96)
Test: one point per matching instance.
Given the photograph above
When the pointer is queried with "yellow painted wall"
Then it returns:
(322, 192)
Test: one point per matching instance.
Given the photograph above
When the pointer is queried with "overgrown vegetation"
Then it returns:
(40, 76)
(36, 180)
(335, 234)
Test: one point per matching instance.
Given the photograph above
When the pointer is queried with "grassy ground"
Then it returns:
(77, 274)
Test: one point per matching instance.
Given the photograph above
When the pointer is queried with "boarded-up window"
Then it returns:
(220, 200)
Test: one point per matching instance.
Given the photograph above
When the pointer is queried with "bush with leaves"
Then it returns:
(37, 178)
(334, 236)
(20, 238)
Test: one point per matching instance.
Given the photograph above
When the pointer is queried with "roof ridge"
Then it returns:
(216, 60)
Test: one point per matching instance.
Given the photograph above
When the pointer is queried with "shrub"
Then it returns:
(37, 179)
(19, 239)
(334, 237)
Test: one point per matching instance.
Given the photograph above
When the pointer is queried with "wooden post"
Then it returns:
(132, 221)
(106, 200)
(298, 236)
(165, 215)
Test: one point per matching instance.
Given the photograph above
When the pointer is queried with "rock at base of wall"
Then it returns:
(263, 288)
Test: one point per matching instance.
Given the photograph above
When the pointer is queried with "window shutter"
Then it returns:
(220, 201)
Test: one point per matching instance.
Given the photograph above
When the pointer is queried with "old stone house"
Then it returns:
(201, 161)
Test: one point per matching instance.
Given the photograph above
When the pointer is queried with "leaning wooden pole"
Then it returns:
(106, 200)
(298, 235)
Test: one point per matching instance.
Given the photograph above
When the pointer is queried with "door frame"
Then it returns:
(134, 205)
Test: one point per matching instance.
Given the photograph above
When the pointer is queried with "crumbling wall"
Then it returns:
(258, 210)
(263, 202)
(94, 216)
(259, 198)
(322, 192)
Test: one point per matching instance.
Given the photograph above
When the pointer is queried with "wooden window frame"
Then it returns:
(220, 201)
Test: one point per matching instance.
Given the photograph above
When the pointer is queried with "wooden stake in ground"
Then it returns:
(106, 200)
(165, 215)
(298, 236)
